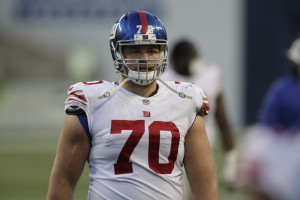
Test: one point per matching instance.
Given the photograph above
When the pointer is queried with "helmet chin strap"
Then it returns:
(180, 94)
(107, 94)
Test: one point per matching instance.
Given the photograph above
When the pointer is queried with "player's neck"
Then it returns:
(141, 90)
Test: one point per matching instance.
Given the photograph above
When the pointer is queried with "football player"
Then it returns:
(269, 166)
(281, 108)
(189, 66)
(137, 133)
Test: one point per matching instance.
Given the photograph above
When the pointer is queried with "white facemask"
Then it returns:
(142, 78)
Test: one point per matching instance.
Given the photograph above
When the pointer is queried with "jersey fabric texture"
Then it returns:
(137, 143)
(281, 108)
(269, 162)
(209, 78)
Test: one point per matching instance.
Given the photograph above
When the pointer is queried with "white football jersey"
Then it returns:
(270, 162)
(209, 78)
(137, 143)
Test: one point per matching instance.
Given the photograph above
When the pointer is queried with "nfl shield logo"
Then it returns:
(146, 102)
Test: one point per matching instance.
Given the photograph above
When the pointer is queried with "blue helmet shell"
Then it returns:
(137, 23)
(138, 28)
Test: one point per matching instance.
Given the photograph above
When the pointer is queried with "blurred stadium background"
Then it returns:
(47, 45)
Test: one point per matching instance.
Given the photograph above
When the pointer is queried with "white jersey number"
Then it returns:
(149, 30)
(123, 164)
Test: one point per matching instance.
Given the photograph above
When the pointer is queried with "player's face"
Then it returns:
(142, 57)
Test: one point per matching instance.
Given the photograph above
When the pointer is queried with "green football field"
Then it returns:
(26, 163)
(26, 159)
(25, 176)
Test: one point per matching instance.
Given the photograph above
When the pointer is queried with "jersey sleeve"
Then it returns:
(202, 107)
(197, 94)
(76, 101)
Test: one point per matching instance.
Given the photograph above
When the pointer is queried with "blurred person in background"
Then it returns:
(269, 163)
(281, 107)
(187, 65)
(137, 133)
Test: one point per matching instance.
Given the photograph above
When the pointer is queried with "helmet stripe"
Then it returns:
(144, 22)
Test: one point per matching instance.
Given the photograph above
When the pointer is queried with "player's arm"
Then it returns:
(198, 163)
(230, 166)
(225, 130)
(72, 153)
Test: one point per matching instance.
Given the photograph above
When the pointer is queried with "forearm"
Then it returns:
(205, 189)
(60, 190)
(223, 124)
(225, 130)
(61, 186)
(203, 186)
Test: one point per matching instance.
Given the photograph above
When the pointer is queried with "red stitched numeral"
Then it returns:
(123, 165)
(154, 141)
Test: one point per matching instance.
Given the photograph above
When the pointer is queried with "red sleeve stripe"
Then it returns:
(144, 22)
(81, 97)
(77, 98)
(76, 92)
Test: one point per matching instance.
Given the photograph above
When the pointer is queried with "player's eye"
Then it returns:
(135, 51)
(154, 51)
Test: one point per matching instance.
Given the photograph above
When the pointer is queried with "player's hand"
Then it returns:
(230, 169)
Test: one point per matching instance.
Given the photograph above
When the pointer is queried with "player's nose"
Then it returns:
(144, 56)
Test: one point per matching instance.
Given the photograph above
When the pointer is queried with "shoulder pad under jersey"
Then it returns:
(76, 102)
(203, 110)
(78, 94)
(202, 102)
(194, 91)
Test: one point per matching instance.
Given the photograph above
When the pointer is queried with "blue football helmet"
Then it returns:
(139, 28)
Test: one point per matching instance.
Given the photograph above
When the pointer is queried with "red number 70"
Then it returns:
(123, 165)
